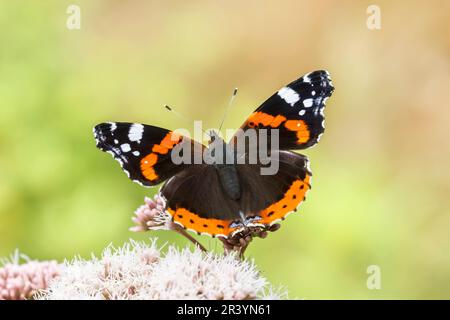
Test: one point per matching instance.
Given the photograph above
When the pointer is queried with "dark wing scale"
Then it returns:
(267, 199)
(197, 202)
(143, 151)
(261, 191)
(201, 205)
(296, 110)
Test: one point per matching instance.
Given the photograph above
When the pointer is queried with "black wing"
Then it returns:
(296, 110)
(143, 151)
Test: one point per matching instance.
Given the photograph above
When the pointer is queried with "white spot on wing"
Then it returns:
(302, 112)
(308, 167)
(308, 103)
(138, 182)
(289, 95)
(319, 137)
(125, 147)
(113, 126)
(306, 78)
(136, 131)
(136, 153)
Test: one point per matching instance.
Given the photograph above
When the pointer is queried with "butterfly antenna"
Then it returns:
(233, 96)
(181, 116)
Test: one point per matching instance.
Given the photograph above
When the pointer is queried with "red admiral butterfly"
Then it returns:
(219, 200)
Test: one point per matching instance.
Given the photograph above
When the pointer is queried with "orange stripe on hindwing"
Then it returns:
(216, 227)
(291, 200)
(193, 222)
(149, 161)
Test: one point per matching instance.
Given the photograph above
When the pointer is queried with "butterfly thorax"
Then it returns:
(222, 157)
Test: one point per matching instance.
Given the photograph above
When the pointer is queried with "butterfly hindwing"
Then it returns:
(143, 151)
(296, 110)
(196, 201)
(287, 188)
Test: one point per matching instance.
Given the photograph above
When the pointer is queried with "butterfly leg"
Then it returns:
(184, 233)
(240, 240)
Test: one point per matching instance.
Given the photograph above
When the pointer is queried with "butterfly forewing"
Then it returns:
(296, 110)
(143, 151)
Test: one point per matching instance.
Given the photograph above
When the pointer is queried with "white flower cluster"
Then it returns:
(139, 271)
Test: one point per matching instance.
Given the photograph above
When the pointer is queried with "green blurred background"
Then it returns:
(381, 178)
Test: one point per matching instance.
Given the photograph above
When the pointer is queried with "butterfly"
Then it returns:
(220, 200)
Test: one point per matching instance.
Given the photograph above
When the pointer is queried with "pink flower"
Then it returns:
(152, 216)
(22, 281)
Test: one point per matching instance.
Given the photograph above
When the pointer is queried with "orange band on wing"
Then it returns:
(191, 221)
(159, 149)
(261, 118)
(170, 140)
(167, 143)
(148, 162)
(267, 120)
(291, 200)
(300, 127)
(275, 212)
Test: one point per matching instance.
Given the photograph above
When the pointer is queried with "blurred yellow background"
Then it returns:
(381, 186)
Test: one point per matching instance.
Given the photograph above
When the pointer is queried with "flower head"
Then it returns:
(152, 215)
(139, 271)
(22, 281)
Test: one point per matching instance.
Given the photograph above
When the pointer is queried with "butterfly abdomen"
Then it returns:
(229, 180)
